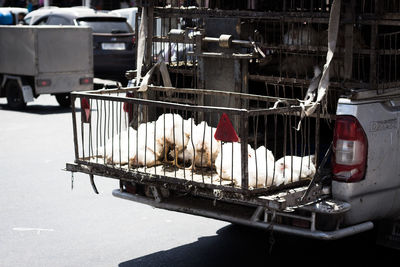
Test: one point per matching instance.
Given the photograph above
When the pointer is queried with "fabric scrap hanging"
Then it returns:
(128, 107)
(143, 32)
(85, 110)
(323, 81)
(162, 67)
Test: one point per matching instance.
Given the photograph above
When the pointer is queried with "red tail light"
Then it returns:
(133, 39)
(43, 82)
(86, 80)
(350, 147)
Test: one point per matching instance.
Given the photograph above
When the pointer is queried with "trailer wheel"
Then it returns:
(64, 100)
(15, 99)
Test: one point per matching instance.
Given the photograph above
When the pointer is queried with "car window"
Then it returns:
(42, 21)
(102, 26)
(27, 21)
(57, 20)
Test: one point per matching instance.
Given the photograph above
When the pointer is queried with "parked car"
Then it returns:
(113, 38)
(128, 13)
(34, 15)
(12, 15)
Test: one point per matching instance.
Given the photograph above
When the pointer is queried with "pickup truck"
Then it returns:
(288, 123)
(44, 60)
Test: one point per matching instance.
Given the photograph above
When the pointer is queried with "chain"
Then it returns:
(270, 229)
(72, 181)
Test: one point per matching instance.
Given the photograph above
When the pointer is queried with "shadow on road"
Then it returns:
(242, 246)
(39, 109)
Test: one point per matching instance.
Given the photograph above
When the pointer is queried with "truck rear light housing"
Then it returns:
(43, 82)
(350, 147)
(86, 80)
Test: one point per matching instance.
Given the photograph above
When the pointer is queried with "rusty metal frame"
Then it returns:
(371, 14)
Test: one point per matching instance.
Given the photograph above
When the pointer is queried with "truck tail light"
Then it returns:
(43, 82)
(86, 80)
(350, 147)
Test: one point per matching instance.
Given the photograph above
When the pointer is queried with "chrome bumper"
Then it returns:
(210, 209)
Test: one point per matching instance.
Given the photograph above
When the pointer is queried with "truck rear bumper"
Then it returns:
(211, 210)
(63, 82)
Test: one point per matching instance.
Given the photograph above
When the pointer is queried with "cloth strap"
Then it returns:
(323, 80)
(143, 30)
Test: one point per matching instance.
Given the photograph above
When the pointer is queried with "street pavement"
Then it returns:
(46, 222)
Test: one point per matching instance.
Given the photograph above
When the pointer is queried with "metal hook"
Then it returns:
(93, 184)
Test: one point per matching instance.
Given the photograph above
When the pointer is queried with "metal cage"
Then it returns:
(125, 134)
(291, 34)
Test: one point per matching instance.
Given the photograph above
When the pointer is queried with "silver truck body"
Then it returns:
(377, 196)
(60, 55)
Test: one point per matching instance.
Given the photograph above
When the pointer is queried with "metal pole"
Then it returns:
(46, 3)
(74, 125)
(86, 3)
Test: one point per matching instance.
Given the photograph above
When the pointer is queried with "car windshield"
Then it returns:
(106, 26)
(27, 20)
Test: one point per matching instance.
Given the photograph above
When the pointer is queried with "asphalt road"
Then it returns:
(43, 222)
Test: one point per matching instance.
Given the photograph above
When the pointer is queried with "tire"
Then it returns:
(64, 100)
(15, 99)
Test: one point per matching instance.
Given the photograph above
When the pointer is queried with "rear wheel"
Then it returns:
(64, 100)
(15, 99)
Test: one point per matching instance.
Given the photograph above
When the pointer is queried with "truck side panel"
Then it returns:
(375, 196)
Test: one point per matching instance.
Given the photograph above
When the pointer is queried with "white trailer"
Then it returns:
(44, 60)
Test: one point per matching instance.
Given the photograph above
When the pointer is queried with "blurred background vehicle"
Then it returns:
(34, 15)
(128, 13)
(113, 37)
(37, 60)
(12, 15)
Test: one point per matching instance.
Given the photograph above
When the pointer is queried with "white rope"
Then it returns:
(164, 74)
(323, 83)
(143, 30)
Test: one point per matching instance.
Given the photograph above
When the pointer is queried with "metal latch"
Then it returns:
(315, 187)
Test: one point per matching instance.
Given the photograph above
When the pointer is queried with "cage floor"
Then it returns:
(198, 175)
